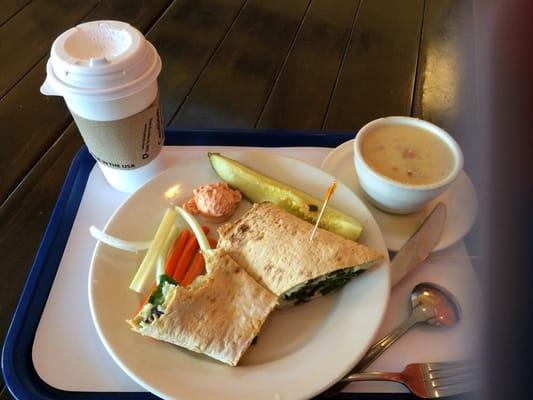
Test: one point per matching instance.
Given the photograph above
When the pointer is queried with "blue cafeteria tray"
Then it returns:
(17, 367)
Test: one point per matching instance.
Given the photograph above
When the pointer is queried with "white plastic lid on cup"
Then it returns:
(105, 70)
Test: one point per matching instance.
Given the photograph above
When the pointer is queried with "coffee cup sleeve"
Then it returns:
(127, 143)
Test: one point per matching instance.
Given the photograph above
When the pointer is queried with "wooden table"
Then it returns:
(297, 64)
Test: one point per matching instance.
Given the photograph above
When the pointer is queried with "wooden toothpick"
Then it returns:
(329, 193)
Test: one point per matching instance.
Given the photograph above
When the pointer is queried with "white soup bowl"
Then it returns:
(397, 197)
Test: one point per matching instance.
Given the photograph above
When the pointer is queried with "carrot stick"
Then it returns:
(196, 268)
(175, 252)
(186, 257)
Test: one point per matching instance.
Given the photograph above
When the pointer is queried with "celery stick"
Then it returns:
(169, 241)
(165, 248)
(142, 281)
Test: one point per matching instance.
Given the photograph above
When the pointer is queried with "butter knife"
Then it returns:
(419, 245)
(412, 253)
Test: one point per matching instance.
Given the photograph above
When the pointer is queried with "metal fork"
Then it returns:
(426, 380)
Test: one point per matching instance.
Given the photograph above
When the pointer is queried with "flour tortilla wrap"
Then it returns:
(275, 249)
(219, 314)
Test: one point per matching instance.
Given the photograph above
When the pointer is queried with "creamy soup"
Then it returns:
(408, 154)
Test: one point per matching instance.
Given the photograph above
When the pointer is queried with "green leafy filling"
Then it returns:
(157, 298)
(322, 285)
(153, 308)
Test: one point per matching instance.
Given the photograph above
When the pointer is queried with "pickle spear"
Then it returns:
(257, 188)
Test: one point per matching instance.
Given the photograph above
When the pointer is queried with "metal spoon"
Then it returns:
(431, 304)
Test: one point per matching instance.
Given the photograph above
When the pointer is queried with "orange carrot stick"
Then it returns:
(196, 268)
(175, 253)
(186, 257)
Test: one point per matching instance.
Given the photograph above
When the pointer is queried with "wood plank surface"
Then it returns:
(24, 219)
(142, 14)
(31, 121)
(31, 118)
(445, 88)
(298, 64)
(446, 94)
(31, 33)
(186, 37)
(233, 88)
(378, 75)
(5, 395)
(8, 8)
(300, 97)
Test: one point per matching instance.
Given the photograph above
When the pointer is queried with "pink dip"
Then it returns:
(214, 200)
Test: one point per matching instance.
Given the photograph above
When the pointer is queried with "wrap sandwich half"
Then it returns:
(275, 249)
(219, 314)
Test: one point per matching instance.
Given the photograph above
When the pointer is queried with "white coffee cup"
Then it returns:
(107, 73)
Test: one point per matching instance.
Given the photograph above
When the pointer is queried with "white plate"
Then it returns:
(460, 200)
(300, 351)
